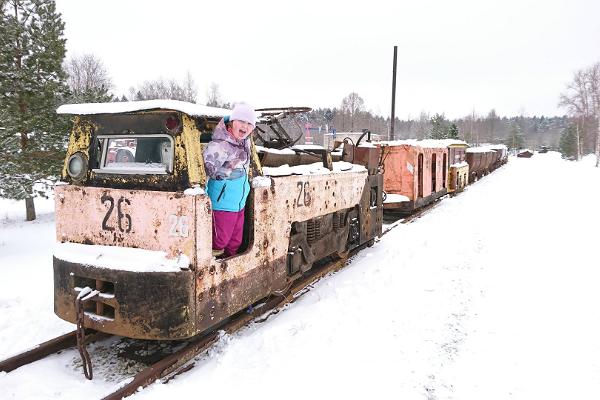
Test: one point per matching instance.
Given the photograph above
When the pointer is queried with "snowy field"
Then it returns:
(491, 295)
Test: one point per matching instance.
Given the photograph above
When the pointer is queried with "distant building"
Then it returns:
(526, 153)
(330, 138)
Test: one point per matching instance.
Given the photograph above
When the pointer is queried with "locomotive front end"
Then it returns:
(135, 249)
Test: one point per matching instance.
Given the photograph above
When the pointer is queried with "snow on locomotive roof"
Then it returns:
(286, 150)
(192, 109)
(368, 145)
(307, 147)
(290, 150)
(427, 143)
(312, 169)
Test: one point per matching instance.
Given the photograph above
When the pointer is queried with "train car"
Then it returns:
(458, 173)
(480, 160)
(501, 155)
(415, 173)
(134, 249)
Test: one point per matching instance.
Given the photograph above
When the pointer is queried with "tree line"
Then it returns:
(515, 132)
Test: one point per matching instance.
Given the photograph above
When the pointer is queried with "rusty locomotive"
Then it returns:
(133, 223)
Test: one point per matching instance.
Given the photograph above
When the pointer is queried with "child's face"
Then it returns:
(240, 129)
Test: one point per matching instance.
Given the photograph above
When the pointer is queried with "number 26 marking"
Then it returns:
(179, 226)
(123, 219)
(303, 194)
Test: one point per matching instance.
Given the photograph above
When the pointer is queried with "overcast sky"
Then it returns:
(453, 56)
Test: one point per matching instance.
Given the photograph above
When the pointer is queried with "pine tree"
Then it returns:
(32, 83)
(453, 131)
(515, 140)
(439, 128)
(568, 142)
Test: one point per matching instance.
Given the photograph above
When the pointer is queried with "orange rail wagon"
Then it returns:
(415, 173)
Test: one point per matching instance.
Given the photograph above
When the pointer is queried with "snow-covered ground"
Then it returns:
(491, 295)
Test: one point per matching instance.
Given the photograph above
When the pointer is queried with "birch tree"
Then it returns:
(593, 75)
(88, 79)
(166, 89)
(582, 102)
(352, 105)
(214, 98)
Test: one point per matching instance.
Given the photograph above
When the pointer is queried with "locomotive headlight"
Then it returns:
(77, 166)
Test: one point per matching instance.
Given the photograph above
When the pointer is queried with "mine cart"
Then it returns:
(480, 160)
(415, 173)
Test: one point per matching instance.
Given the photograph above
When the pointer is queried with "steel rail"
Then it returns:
(47, 348)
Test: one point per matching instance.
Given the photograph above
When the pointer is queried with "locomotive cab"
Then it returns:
(134, 225)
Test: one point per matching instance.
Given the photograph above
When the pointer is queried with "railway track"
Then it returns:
(182, 360)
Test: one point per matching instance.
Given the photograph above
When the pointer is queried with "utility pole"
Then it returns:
(393, 93)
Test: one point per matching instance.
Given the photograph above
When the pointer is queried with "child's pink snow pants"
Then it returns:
(228, 230)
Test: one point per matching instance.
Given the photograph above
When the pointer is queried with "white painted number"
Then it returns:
(179, 226)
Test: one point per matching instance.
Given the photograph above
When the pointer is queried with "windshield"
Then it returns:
(136, 154)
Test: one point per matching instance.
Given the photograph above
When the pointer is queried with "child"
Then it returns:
(226, 159)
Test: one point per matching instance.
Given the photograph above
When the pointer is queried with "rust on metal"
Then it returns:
(79, 302)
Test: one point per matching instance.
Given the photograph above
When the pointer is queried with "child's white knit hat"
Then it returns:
(243, 112)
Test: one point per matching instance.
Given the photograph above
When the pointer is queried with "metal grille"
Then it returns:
(313, 230)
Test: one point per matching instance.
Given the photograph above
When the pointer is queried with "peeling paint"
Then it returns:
(79, 141)
(193, 160)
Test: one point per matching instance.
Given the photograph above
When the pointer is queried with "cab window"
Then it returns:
(135, 154)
